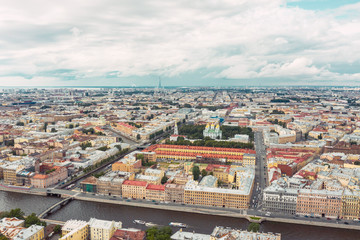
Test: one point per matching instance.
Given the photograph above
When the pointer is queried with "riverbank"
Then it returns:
(216, 212)
(191, 209)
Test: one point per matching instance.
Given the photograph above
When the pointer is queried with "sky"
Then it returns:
(181, 42)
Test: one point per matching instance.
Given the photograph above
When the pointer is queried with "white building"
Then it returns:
(102, 229)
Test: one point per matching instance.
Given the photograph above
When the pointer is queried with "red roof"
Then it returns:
(155, 187)
(126, 125)
(128, 234)
(135, 183)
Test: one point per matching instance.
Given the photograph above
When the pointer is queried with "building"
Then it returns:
(49, 177)
(155, 192)
(34, 232)
(75, 229)
(321, 203)
(222, 233)
(126, 165)
(218, 197)
(128, 233)
(213, 131)
(182, 235)
(102, 230)
(9, 174)
(134, 189)
(174, 193)
(179, 152)
(351, 204)
(278, 199)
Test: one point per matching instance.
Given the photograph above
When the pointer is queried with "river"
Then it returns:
(198, 222)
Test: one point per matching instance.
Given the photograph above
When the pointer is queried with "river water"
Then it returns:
(198, 222)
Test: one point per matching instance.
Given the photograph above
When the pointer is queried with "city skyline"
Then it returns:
(217, 43)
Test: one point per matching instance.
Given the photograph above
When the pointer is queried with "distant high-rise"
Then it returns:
(159, 87)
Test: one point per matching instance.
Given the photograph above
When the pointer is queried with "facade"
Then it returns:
(178, 152)
(9, 174)
(155, 192)
(102, 230)
(218, 197)
(134, 189)
(110, 187)
(351, 205)
(45, 180)
(75, 229)
(174, 193)
(319, 203)
(277, 199)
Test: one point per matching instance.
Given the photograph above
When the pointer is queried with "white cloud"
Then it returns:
(235, 39)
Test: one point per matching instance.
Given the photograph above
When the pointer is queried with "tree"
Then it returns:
(2, 237)
(20, 124)
(45, 126)
(32, 219)
(16, 213)
(254, 227)
(164, 179)
(154, 233)
(203, 172)
(140, 156)
(57, 229)
(196, 172)
(357, 163)
(13, 213)
(138, 137)
(53, 130)
(320, 137)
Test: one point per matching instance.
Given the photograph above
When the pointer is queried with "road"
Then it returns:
(260, 171)
(104, 167)
(124, 138)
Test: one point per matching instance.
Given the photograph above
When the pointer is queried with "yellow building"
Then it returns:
(9, 173)
(249, 159)
(126, 165)
(75, 229)
(154, 172)
(218, 197)
(350, 205)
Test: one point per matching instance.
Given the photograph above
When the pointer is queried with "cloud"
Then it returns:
(87, 42)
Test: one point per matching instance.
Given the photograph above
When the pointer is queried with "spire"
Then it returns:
(176, 131)
(159, 83)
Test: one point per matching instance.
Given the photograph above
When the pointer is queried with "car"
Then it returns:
(306, 216)
(328, 218)
(356, 220)
(346, 223)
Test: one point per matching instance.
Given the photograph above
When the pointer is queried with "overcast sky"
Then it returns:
(185, 42)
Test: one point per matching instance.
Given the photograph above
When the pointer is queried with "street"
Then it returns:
(260, 171)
